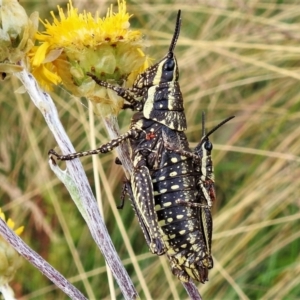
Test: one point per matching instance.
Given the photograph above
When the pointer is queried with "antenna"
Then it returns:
(176, 33)
(215, 128)
(203, 123)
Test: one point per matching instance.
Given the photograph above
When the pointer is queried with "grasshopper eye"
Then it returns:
(168, 70)
(169, 65)
(208, 145)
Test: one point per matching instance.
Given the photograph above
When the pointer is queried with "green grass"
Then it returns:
(238, 59)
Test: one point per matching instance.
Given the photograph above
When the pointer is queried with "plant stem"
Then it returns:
(77, 184)
(23, 249)
(192, 290)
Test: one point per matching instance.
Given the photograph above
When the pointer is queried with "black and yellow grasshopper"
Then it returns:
(171, 187)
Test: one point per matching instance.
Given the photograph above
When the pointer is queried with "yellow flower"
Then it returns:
(78, 43)
(10, 260)
(16, 35)
(10, 223)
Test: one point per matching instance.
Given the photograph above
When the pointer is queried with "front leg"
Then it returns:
(132, 133)
(126, 94)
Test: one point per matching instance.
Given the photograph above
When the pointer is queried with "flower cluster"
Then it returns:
(77, 43)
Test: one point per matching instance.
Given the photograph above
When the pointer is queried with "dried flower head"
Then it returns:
(77, 43)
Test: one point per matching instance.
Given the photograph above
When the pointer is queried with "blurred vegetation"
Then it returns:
(236, 58)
